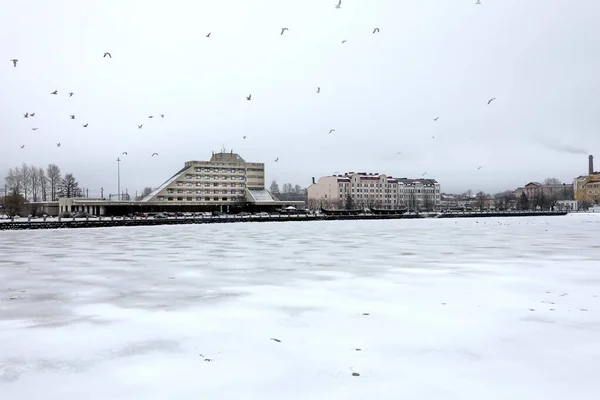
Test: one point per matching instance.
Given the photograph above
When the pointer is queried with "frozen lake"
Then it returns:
(457, 309)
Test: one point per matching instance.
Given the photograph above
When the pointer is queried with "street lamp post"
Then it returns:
(118, 179)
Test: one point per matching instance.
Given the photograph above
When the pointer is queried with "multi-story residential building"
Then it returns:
(537, 195)
(361, 189)
(587, 187)
(224, 179)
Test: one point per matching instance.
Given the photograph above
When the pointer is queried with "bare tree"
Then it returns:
(43, 184)
(35, 183)
(274, 188)
(146, 192)
(298, 189)
(287, 188)
(68, 187)
(14, 181)
(26, 180)
(552, 181)
(12, 204)
(481, 200)
(54, 178)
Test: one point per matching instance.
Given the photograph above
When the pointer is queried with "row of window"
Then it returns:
(198, 191)
(209, 169)
(214, 185)
(215, 177)
(162, 198)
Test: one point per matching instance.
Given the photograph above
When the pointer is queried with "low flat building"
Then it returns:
(362, 189)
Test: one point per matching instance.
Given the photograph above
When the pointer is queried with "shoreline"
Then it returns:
(103, 222)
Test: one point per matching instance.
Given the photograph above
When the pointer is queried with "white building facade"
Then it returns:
(359, 190)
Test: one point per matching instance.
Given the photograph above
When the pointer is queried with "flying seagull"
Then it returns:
(32, 114)
(22, 146)
(277, 159)
(424, 173)
(85, 125)
(140, 126)
(72, 117)
(399, 153)
(55, 92)
(150, 116)
(162, 115)
(490, 100)
(331, 130)
(34, 129)
(14, 61)
(344, 41)
(276, 340)
(436, 118)
(153, 154)
(318, 90)
(71, 94)
(57, 144)
(26, 115)
(208, 34)
(339, 4)
(107, 54)
(125, 152)
(244, 137)
(478, 168)
(375, 30)
(283, 30)
(478, 2)
(249, 97)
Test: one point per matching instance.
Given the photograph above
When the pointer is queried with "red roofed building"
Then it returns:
(362, 189)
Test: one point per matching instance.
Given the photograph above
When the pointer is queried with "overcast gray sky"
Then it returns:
(540, 59)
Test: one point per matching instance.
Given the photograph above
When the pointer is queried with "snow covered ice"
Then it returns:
(457, 309)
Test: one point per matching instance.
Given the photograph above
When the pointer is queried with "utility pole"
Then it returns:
(119, 178)
(101, 192)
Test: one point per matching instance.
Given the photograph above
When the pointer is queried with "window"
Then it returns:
(198, 184)
(188, 198)
(179, 183)
(215, 191)
(224, 191)
(233, 192)
(207, 191)
(198, 198)
(215, 184)
(207, 199)
(188, 176)
(161, 198)
(233, 185)
(170, 199)
(170, 190)
(198, 169)
(180, 199)
(206, 184)
(179, 190)
(198, 191)
(224, 199)
(188, 184)
(241, 185)
(224, 177)
(188, 191)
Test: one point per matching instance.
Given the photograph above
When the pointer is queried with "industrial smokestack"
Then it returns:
(313, 180)
(591, 164)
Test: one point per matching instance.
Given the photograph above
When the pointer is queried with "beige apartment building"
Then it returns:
(226, 178)
(375, 190)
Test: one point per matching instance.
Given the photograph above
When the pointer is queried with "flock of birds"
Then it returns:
(248, 98)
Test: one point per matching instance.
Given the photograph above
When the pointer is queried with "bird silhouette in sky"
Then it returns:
(153, 154)
(162, 115)
(283, 30)
(249, 97)
(490, 100)
(34, 129)
(243, 137)
(32, 114)
(277, 159)
(57, 144)
(140, 126)
(26, 115)
(478, 168)
(14, 61)
(208, 35)
(331, 130)
(125, 153)
(339, 4)
(71, 94)
(22, 146)
(318, 89)
(436, 118)
(375, 30)
(424, 173)
(72, 117)
(85, 125)
(150, 116)
(107, 54)
(344, 41)
(55, 92)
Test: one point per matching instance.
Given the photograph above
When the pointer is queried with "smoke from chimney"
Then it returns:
(591, 165)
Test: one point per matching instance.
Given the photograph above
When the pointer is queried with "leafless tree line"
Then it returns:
(38, 184)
